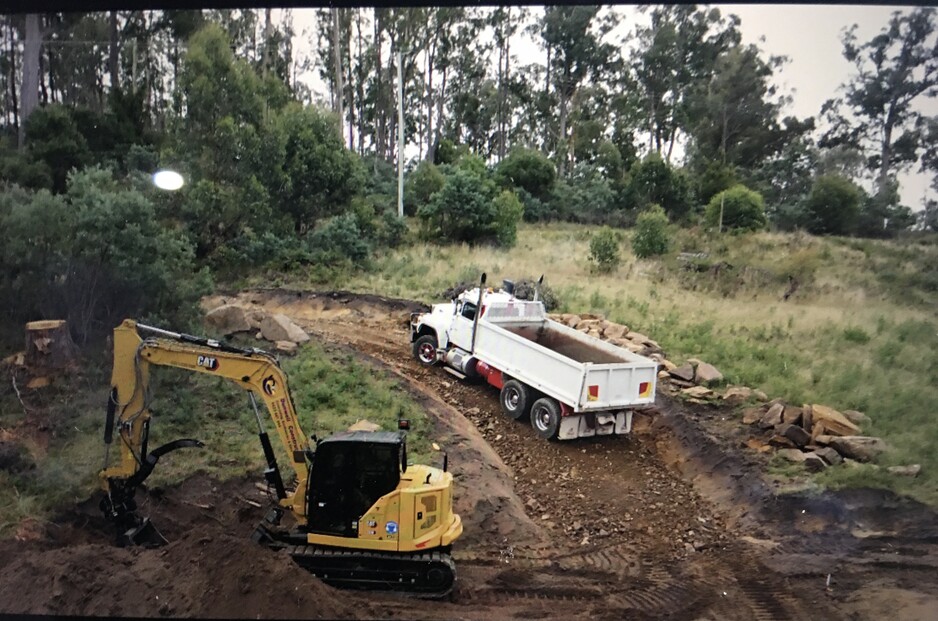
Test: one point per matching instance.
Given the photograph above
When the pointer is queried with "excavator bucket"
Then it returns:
(145, 535)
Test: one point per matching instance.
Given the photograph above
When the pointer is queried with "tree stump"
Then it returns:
(50, 350)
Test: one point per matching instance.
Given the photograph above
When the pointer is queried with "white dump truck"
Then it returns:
(570, 385)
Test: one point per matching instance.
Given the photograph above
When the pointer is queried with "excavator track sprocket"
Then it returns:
(427, 575)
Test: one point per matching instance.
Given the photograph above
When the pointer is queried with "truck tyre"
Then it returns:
(545, 417)
(425, 350)
(515, 399)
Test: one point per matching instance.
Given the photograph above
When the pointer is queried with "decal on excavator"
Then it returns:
(208, 362)
(270, 385)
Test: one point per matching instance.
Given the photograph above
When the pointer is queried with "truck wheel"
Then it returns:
(425, 350)
(515, 399)
(545, 417)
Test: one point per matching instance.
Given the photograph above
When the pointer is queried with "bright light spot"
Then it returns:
(167, 180)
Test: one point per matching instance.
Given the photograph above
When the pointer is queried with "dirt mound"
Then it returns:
(209, 569)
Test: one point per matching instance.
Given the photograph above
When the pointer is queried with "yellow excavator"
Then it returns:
(364, 517)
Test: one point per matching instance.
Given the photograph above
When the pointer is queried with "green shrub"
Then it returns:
(654, 181)
(833, 206)
(460, 212)
(420, 186)
(742, 208)
(508, 213)
(529, 170)
(340, 238)
(604, 250)
(651, 233)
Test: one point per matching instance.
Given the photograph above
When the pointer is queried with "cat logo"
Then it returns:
(208, 362)
(269, 385)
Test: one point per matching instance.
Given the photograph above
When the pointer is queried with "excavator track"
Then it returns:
(427, 575)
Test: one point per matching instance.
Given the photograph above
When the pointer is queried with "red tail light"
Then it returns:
(644, 389)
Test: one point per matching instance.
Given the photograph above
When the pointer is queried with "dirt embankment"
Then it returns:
(673, 522)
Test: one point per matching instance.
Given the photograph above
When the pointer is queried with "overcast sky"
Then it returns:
(809, 35)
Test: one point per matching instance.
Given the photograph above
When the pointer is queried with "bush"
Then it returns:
(508, 213)
(653, 181)
(529, 170)
(833, 206)
(420, 186)
(94, 256)
(743, 209)
(586, 197)
(604, 250)
(651, 233)
(461, 212)
(340, 239)
(524, 290)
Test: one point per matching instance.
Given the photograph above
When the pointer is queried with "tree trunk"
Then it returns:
(337, 54)
(380, 118)
(12, 78)
(886, 152)
(546, 119)
(506, 109)
(361, 85)
(49, 348)
(113, 51)
(29, 93)
(268, 30)
(562, 139)
(430, 57)
(349, 80)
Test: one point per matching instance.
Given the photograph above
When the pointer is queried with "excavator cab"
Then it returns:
(350, 472)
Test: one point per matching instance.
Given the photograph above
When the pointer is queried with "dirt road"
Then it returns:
(672, 522)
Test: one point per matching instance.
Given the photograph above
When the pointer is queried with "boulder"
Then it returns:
(857, 418)
(614, 331)
(829, 455)
(835, 423)
(663, 375)
(905, 471)
(794, 433)
(792, 415)
(588, 324)
(772, 417)
(572, 321)
(736, 395)
(761, 396)
(594, 333)
(590, 316)
(287, 347)
(698, 392)
(667, 364)
(781, 441)
(813, 462)
(791, 454)
(364, 425)
(751, 415)
(684, 372)
(860, 448)
(228, 319)
(281, 328)
(807, 419)
(638, 337)
(255, 317)
(707, 374)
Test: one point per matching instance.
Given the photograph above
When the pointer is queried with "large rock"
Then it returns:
(707, 374)
(589, 324)
(572, 321)
(281, 328)
(794, 433)
(287, 347)
(736, 395)
(857, 418)
(698, 392)
(860, 448)
(614, 331)
(829, 455)
(791, 454)
(365, 425)
(638, 337)
(684, 372)
(752, 415)
(834, 422)
(792, 415)
(229, 319)
(772, 417)
(905, 471)
(814, 463)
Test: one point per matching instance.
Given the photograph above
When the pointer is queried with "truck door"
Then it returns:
(460, 331)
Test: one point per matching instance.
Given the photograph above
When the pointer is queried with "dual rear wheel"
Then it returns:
(518, 400)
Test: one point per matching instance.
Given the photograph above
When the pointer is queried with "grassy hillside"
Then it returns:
(859, 332)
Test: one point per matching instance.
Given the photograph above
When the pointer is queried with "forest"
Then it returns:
(678, 124)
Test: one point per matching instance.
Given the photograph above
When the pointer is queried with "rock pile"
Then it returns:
(231, 319)
(617, 334)
(816, 435)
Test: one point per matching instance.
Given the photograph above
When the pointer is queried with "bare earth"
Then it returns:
(673, 522)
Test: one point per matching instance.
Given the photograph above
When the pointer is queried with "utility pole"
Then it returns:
(722, 199)
(400, 137)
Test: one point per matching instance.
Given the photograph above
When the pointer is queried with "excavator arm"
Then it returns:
(128, 417)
